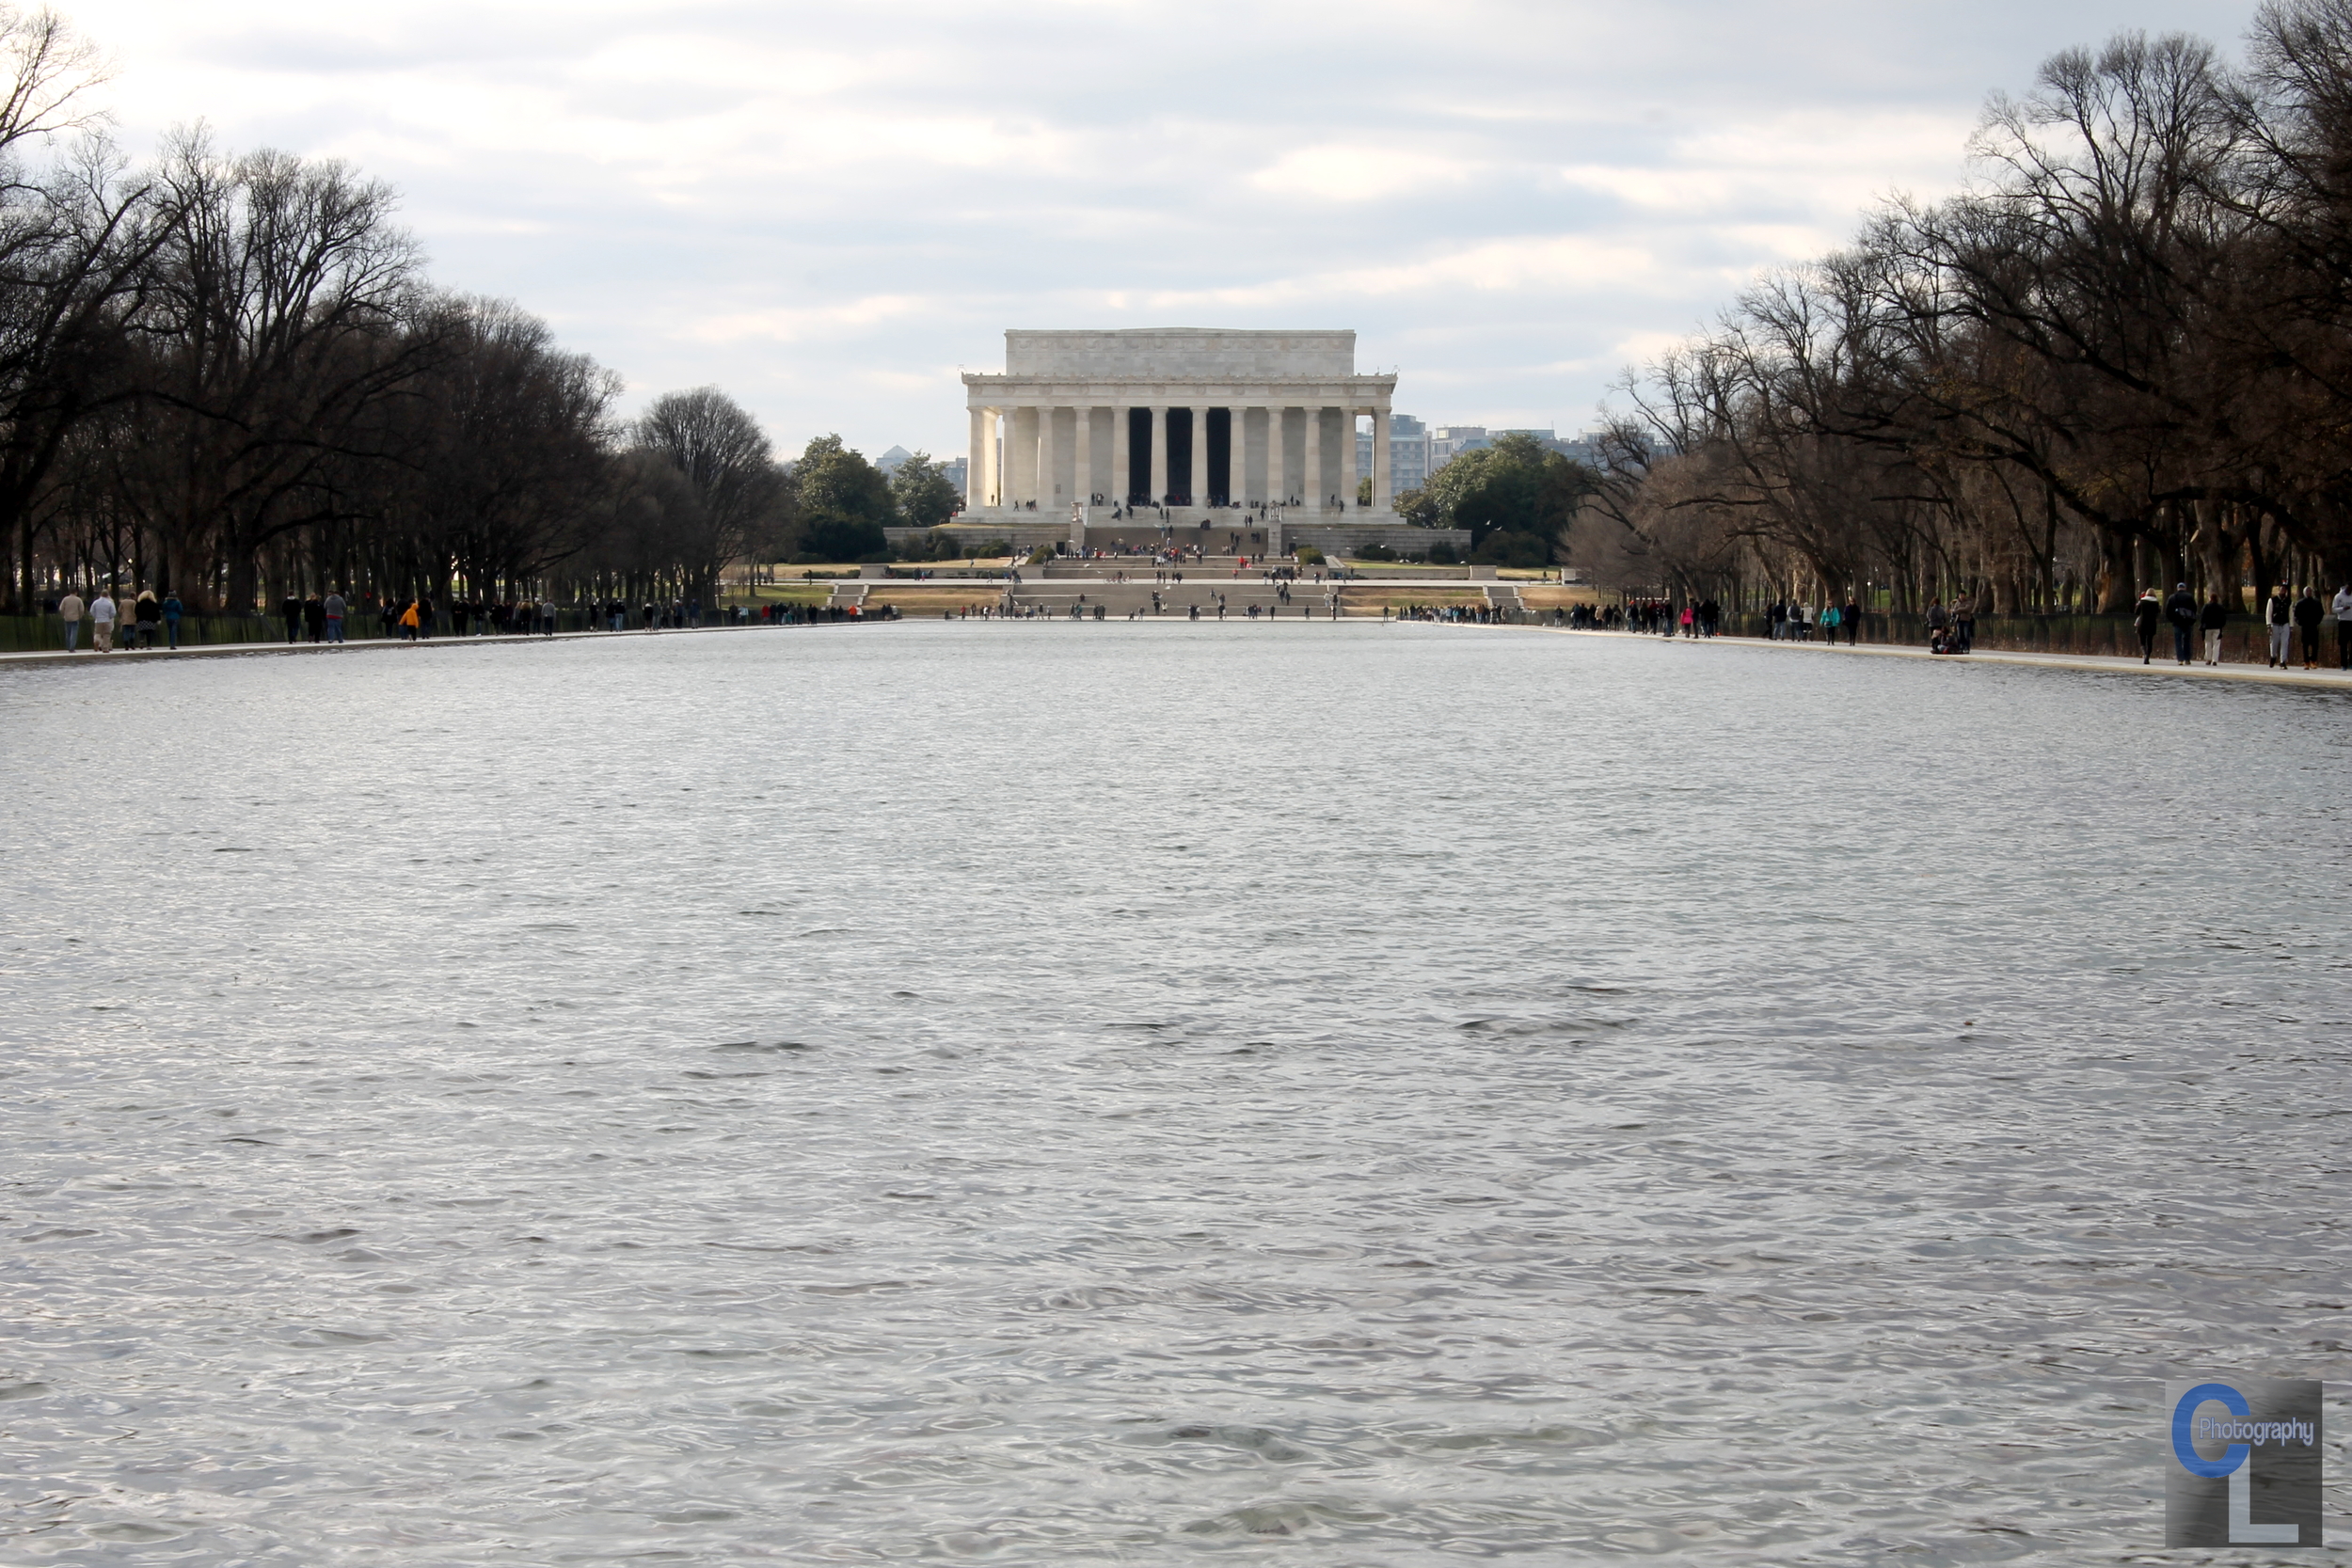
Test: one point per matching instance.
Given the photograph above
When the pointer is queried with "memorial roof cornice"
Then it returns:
(1141, 392)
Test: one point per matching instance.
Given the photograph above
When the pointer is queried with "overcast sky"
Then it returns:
(827, 210)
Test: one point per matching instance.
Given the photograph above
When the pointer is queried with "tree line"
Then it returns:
(228, 376)
(2120, 356)
(1518, 498)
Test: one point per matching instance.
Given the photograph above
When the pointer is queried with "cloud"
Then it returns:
(781, 325)
(1345, 173)
(820, 206)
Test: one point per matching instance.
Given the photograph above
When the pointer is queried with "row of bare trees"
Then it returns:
(229, 377)
(2121, 356)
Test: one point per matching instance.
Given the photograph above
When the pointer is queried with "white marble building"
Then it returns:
(1199, 420)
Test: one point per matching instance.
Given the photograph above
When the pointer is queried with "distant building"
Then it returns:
(1590, 448)
(954, 468)
(1585, 449)
(1408, 453)
(1448, 442)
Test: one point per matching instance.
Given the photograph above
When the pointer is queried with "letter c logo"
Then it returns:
(2183, 1448)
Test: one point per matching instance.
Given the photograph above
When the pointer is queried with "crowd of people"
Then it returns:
(140, 619)
(1470, 614)
(1804, 622)
(1656, 618)
(148, 619)
(2293, 620)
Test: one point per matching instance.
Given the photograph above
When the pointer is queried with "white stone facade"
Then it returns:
(1157, 417)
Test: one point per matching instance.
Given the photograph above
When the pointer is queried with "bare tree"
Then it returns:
(724, 455)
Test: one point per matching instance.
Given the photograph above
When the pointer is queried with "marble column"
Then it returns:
(1199, 483)
(1020, 455)
(995, 427)
(1123, 461)
(1276, 491)
(1237, 471)
(1082, 489)
(1243, 489)
(1159, 453)
(1381, 479)
(1048, 468)
(1311, 482)
(975, 462)
(1347, 459)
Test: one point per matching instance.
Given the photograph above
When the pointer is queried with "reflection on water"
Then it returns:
(1069, 1094)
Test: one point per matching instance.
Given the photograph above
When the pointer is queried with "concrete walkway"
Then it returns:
(2249, 673)
(247, 650)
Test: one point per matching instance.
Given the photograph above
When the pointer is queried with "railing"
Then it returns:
(2244, 640)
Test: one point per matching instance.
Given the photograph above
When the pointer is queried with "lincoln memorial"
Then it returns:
(1201, 428)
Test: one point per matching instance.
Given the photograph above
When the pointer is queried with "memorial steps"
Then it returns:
(1058, 592)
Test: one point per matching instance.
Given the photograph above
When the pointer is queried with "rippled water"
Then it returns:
(1333, 1095)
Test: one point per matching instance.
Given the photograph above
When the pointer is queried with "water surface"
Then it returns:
(1152, 1093)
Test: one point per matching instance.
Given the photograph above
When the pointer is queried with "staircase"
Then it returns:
(1059, 587)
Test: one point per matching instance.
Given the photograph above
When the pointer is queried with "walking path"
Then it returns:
(2253, 673)
(240, 650)
(2261, 675)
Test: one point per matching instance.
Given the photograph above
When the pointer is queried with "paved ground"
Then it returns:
(2333, 679)
(248, 650)
(2257, 673)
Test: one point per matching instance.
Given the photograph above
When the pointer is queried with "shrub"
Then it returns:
(1510, 549)
(1041, 555)
(1376, 552)
(1309, 556)
(1442, 554)
(839, 538)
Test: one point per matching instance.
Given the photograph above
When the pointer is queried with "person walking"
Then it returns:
(173, 611)
(2181, 609)
(408, 622)
(314, 618)
(2308, 611)
(69, 610)
(102, 623)
(1939, 620)
(2146, 617)
(148, 615)
(1851, 618)
(2279, 615)
(1965, 623)
(336, 607)
(2341, 608)
(290, 609)
(2210, 618)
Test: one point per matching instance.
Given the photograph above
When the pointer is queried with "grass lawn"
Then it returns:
(781, 592)
(1557, 596)
(933, 597)
(1363, 595)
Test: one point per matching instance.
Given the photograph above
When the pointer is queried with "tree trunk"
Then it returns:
(244, 583)
(2112, 588)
